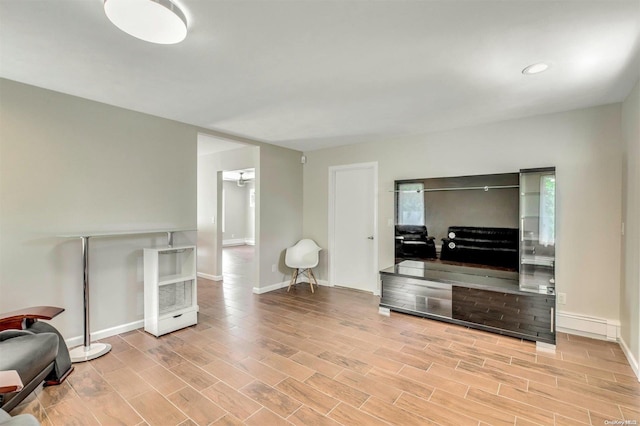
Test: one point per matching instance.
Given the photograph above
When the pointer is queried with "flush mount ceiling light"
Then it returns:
(535, 68)
(155, 21)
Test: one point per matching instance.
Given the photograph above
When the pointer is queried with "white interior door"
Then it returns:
(352, 228)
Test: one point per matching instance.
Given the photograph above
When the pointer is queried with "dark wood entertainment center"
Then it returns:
(495, 268)
(478, 298)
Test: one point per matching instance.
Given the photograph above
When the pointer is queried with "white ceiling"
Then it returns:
(318, 73)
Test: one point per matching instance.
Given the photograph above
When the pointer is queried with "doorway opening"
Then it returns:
(227, 167)
(238, 226)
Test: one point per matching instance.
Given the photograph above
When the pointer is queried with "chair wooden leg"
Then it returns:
(314, 279)
(294, 276)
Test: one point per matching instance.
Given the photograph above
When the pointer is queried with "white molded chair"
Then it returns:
(302, 258)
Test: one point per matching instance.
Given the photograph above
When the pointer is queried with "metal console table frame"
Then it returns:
(89, 350)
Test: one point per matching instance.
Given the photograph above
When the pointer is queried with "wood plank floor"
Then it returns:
(329, 358)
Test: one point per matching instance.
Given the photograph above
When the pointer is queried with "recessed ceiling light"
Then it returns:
(155, 21)
(535, 68)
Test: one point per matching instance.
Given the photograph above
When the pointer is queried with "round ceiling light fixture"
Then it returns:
(535, 68)
(155, 21)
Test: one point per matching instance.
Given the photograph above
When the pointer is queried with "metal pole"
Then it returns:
(463, 188)
(85, 269)
(88, 351)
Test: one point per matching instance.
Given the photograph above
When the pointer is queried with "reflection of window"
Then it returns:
(547, 209)
(410, 204)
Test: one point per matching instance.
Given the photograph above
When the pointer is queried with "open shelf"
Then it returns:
(170, 290)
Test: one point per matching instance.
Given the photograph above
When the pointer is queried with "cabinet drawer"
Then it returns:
(415, 295)
(171, 323)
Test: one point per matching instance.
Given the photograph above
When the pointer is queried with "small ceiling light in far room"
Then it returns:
(155, 21)
(241, 182)
(535, 68)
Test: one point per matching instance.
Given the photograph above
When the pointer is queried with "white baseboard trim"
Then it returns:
(209, 276)
(233, 242)
(107, 332)
(582, 325)
(375, 292)
(272, 287)
(250, 242)
(633, 362)
(278, 286)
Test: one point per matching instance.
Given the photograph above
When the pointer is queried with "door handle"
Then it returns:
(370, 238)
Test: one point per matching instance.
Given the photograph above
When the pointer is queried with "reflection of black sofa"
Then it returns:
(413, 241)
(484, 246)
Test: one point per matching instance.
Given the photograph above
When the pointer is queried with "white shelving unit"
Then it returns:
(170, 290)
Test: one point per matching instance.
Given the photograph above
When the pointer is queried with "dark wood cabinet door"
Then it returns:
(530, 316)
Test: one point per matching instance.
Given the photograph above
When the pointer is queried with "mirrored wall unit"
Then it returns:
(469, 220)
(477, 250)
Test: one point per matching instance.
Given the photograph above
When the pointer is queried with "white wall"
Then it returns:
(236, 205)
(279, 207)
(584, 145)
(68, 165)
(630, 283)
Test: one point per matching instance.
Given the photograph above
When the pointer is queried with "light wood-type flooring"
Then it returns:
(238, 266)
(329, 358)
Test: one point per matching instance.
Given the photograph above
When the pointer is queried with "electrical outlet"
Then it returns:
(213, 220)
(562, 298)
(274, 267)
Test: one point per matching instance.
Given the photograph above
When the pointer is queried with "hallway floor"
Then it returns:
(238, 265)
